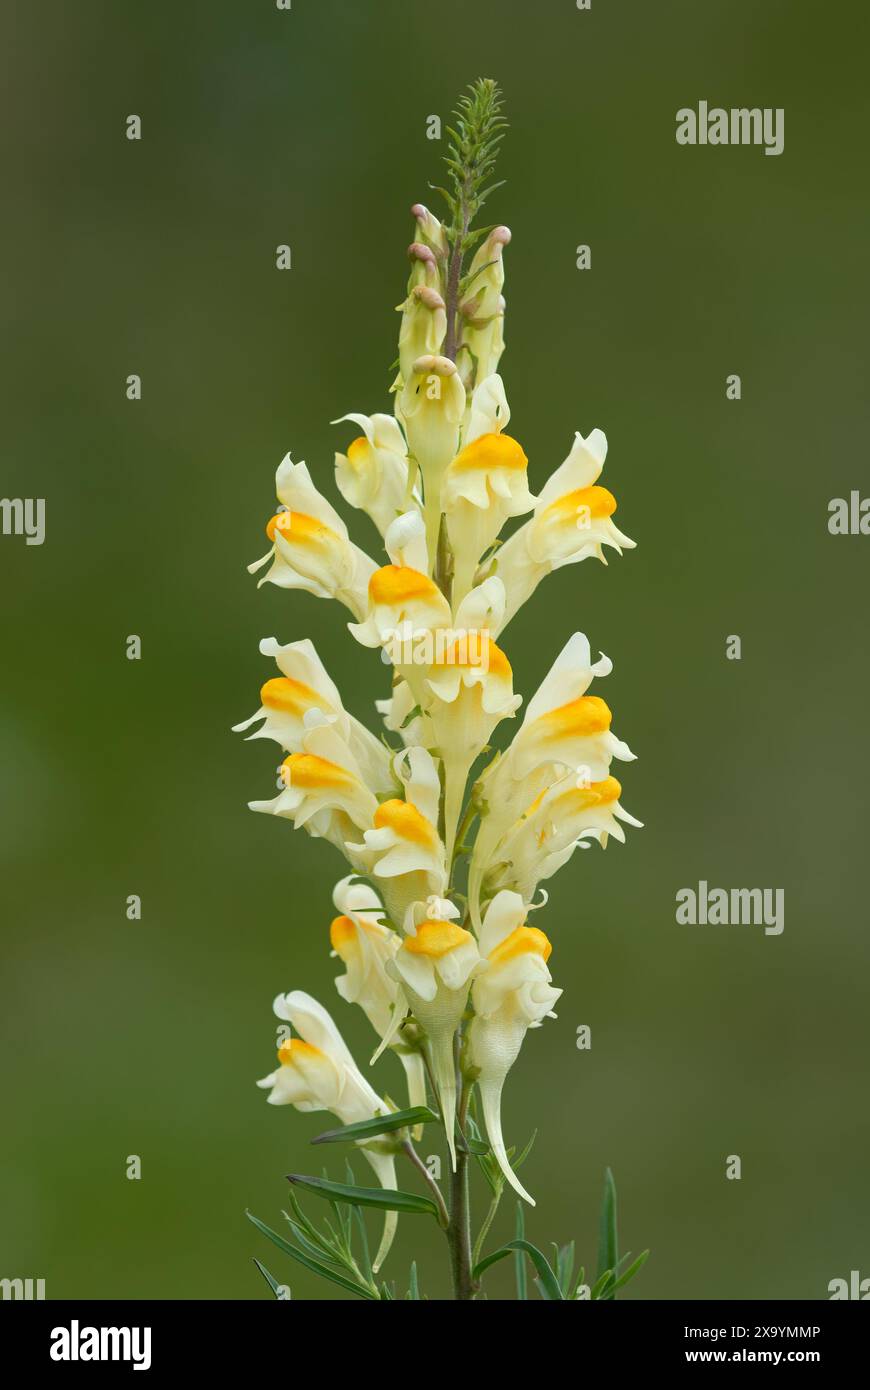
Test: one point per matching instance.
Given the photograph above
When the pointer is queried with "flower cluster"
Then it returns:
(450, 981)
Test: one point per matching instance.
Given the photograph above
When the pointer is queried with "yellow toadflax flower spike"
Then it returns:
(452, 993)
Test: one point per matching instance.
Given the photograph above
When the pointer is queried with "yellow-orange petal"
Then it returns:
(436, 938)
(298, 528)
(471, 651)
(594, 502)
(490, 451)
(407, 822)
(291, 697)
(296, 1050)
(588, 715)
(342, 936)
(357, 451)
(523, 941)
(394, 584)
(311, 773)
(596, 794)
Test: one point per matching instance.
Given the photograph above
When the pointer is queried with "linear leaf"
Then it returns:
(385, 1198)
(270, 1280)
(631, 1271)
(602, 1283)
(549, 1282)
(565, 1267)
(467, 1145)
(320, 1251)
(608, 1253)
(382, 1124)
(314, 1265)
(518, 1162)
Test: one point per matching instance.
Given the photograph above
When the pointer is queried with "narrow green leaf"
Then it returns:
(270, 1280)
(630, 1272)
(365, 1256)
(382, 1124)
(413, 1286)
(302, 1220)
(565, 1267)
(345, 1217)
(549, 1283)
(602, 1283)
(579, 1278)
(385, 1198)
(359, 1222)
(319, 1250)
(314, 1265)
(518, 1162)
(478, 1147)
(608, 1252)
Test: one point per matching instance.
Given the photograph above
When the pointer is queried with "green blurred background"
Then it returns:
(309, 127)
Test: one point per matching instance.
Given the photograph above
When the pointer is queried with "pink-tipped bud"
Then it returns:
(430, 230)
(418, 252)
(428, 297)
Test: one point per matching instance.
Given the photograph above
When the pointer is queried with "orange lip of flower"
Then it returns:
(596, 502)
(395, 584)
(436, 939)
(342, 936)
(474, 650)
(523, 941)
(296, 1050)
(588, 715)
(310, 773)
(291, 697)
(357, 451)
(596, 794)
(299, 528)
(490, 451)
(407, 822)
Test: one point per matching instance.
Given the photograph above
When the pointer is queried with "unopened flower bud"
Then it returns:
(430, 231)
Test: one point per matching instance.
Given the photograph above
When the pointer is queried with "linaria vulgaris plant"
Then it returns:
(446, 841)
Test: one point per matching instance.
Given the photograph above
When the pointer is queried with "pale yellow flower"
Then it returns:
(317, 1072)
(512, 994)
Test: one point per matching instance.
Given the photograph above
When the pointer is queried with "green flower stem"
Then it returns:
(443, 1216)
(487, 1222)
(464, 827)
(454, 275)
(459, 1229)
